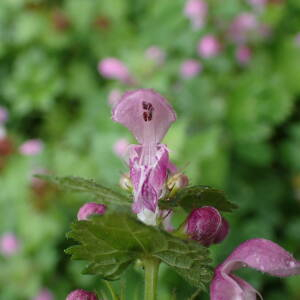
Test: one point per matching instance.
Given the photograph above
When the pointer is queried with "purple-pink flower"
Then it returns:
(156, 54)
(209, 46)
(89, 209)
(31, 147)
(242, 26)
(44, 294)
(3, 115)
(148, 116)
(190, 68)
(9, 244)
(206, 226)
(260, 254)
(243, 54)
(196, 11)
(113, 68)
(82, 295)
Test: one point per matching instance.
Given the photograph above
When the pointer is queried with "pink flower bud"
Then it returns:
(222, 232)
(121, 147)
(31, 147)
(9, 244)
(114, 97)
(3, 115)
(190, 68)
(115, 69)
(196, 11)
(90, 208)
(44, 294)
(203, 224)
(209, 46)
(125, 182)
(178, 181)
(243, 54)
(81, 295)
(156, 54)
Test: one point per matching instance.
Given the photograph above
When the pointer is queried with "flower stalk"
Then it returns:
(151, 267)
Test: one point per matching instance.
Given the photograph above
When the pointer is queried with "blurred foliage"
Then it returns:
(238, 126)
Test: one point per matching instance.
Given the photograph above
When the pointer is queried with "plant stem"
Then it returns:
(151, 266)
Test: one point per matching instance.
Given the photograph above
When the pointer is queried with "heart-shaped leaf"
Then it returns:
(193, 197)
(103, 194)
(111, 242)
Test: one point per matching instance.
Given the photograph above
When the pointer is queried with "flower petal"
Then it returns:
(262, 255)
(146, 114)
(148, 172)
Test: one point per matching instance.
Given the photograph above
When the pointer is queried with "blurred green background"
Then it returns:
(238, 125)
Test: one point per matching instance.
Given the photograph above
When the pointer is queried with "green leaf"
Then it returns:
(103, 194)
(189, 259)
(110, 243)
(197, 196)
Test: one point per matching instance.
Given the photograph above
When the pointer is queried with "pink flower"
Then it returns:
(113, 68)
(89, 209)
(120, 147)
(148, 116)
(156, 54)
(31, 147)
(9, 244)
(243, 54)
(206, 226)
(82, 295)
(3, 115)
(196, 11)
(260, 254)
(44, 294)
(190, 68)
(243, 25)
(114, 97)
(258, 4)
(209, 46)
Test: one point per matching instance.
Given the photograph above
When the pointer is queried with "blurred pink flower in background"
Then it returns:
(258, 4)
(114, 97)
(156, 54)
(90, 208)
(196, 11)
(241, 26)
(44, 294)
(297, 39)
(243, 54)
(209, 46)
(9, 244)
(3, 115)
(31, 147)
(190, 68)
(114, 68)
(121, 147)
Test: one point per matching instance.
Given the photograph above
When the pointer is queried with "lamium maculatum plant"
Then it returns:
(120, 228)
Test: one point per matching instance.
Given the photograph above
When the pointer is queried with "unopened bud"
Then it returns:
(206, 226)
(90, 208)
(177, 181)
(125, 182)
(82, 295)
(222, 232)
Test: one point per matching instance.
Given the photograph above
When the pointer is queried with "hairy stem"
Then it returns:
(151, 266)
